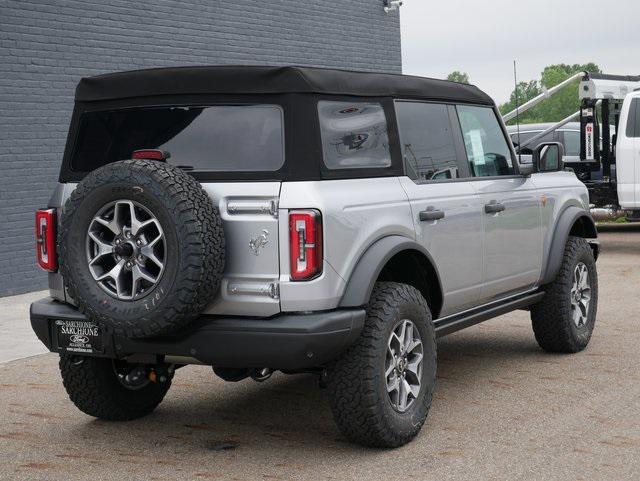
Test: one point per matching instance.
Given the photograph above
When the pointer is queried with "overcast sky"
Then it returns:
(483, 38)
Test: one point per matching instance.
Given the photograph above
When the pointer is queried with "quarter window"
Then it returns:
(428, 147)
(485, 142)
(354, 135)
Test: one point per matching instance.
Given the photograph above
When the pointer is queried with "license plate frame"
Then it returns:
(78, 336)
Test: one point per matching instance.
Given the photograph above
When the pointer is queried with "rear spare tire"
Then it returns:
(141, 247)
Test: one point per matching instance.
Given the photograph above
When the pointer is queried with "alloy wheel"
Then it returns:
(403, 365)
(580, 295)
(126, 250)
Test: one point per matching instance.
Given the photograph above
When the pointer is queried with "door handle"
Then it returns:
(493, 207)
(431, 214)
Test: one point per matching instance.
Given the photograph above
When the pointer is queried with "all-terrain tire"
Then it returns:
(552, 317)
(356, 382)
(195, 247)
(93, 386)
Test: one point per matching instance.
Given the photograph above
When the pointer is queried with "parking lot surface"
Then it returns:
(503, 409)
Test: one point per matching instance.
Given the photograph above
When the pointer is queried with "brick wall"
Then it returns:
(47, 45)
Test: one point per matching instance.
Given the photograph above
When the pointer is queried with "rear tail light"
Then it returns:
(305, 244)
(46, 239)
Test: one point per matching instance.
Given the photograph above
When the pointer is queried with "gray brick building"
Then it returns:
(47, 45)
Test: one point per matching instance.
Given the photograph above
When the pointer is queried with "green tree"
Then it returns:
(561, 105)
(525, 92)
(460, 77)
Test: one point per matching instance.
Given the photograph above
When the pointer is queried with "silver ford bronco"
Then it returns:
(256, 219)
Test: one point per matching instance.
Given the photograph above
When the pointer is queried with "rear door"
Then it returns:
(509, 203)
(445, 208)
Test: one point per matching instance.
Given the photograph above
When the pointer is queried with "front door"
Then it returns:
(445, 208)
(510, 206)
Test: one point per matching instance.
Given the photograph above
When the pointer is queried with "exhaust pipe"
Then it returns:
(261, 375)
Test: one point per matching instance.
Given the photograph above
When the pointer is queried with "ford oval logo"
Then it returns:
(79, 339)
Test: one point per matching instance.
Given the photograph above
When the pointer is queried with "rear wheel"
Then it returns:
(564, 320)
(380, 390)
(113, 390)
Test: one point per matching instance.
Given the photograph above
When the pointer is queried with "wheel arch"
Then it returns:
(399, 259)
(573, 221)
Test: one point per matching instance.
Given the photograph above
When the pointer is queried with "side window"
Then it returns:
(354, 135)
(633, 122)
(426, 137)
(571, 143)
(487, 148)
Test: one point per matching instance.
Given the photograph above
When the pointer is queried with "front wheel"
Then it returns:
(113, 390)
(380, 390)
(564, 319)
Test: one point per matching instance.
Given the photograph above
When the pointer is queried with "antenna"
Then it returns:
(515, 82)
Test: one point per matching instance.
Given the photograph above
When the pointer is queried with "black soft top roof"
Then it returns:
(271, 80)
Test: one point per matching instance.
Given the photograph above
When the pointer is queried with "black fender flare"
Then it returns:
(567, 220)
(365, 273)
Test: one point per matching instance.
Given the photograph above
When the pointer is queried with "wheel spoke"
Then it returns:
(139, 273)
(152, 257)
(394, 339)
(402, 335)
(141, 226)
(393, 384)
(584, 307)
(403, 395)
(103, 248)
(414, 389)
(414, 365)
(112, 225)
(583, 277)
(114, 274)
(408, 335)
(390, 368)
(134, 223)
(415, 345)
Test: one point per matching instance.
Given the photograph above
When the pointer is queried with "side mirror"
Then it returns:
(547, 157)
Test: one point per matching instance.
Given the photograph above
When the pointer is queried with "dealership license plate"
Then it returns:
(79, 336)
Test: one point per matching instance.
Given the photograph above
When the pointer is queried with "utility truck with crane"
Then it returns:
(609, 120)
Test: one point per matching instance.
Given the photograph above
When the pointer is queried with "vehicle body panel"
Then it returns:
(355, 214)
(557, 191)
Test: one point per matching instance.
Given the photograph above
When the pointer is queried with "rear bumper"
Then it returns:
(287, 341)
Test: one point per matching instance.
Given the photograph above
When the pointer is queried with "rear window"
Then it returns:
(245, 138)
